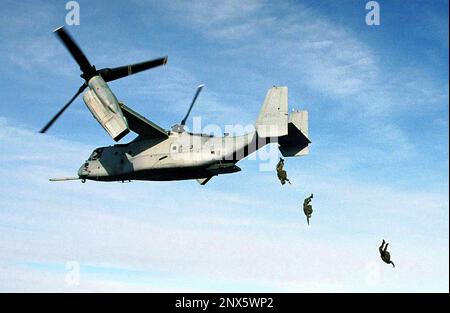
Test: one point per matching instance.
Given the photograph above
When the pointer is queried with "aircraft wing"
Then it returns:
(142, 126)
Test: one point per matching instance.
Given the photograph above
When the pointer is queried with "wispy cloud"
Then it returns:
(236, 244)
(325, 58)
(375, 166)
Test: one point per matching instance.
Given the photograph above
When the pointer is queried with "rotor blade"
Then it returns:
(199, 88)
(109, 74)
(86, 67)
(47, 126)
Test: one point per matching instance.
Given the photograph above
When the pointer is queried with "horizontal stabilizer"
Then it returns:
(142, 126)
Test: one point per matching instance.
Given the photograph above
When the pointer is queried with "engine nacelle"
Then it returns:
(105, 108)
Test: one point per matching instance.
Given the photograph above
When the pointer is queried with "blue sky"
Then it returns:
(378, 165)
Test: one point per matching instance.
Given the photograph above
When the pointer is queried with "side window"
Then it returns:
(96, 154)
(174, 148)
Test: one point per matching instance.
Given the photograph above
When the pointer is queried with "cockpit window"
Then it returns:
(96, 154)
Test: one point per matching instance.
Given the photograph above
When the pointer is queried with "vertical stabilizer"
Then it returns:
(273, 118)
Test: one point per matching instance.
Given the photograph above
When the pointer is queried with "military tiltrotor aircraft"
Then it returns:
(157, 154)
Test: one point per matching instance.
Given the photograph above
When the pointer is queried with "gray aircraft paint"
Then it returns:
(182, 155)
(157, 154)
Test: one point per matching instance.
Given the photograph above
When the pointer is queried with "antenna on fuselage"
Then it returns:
(180, 127)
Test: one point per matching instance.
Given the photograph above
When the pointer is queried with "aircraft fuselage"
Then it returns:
(180, 156)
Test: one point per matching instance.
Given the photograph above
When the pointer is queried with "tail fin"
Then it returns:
(273, 121)
(295, 143)
(273, 118)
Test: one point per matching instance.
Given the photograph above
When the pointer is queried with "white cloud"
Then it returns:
(212, 14)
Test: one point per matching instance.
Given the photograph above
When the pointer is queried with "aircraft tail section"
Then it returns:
(296, 142)
(274, 121)
(273, 118)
